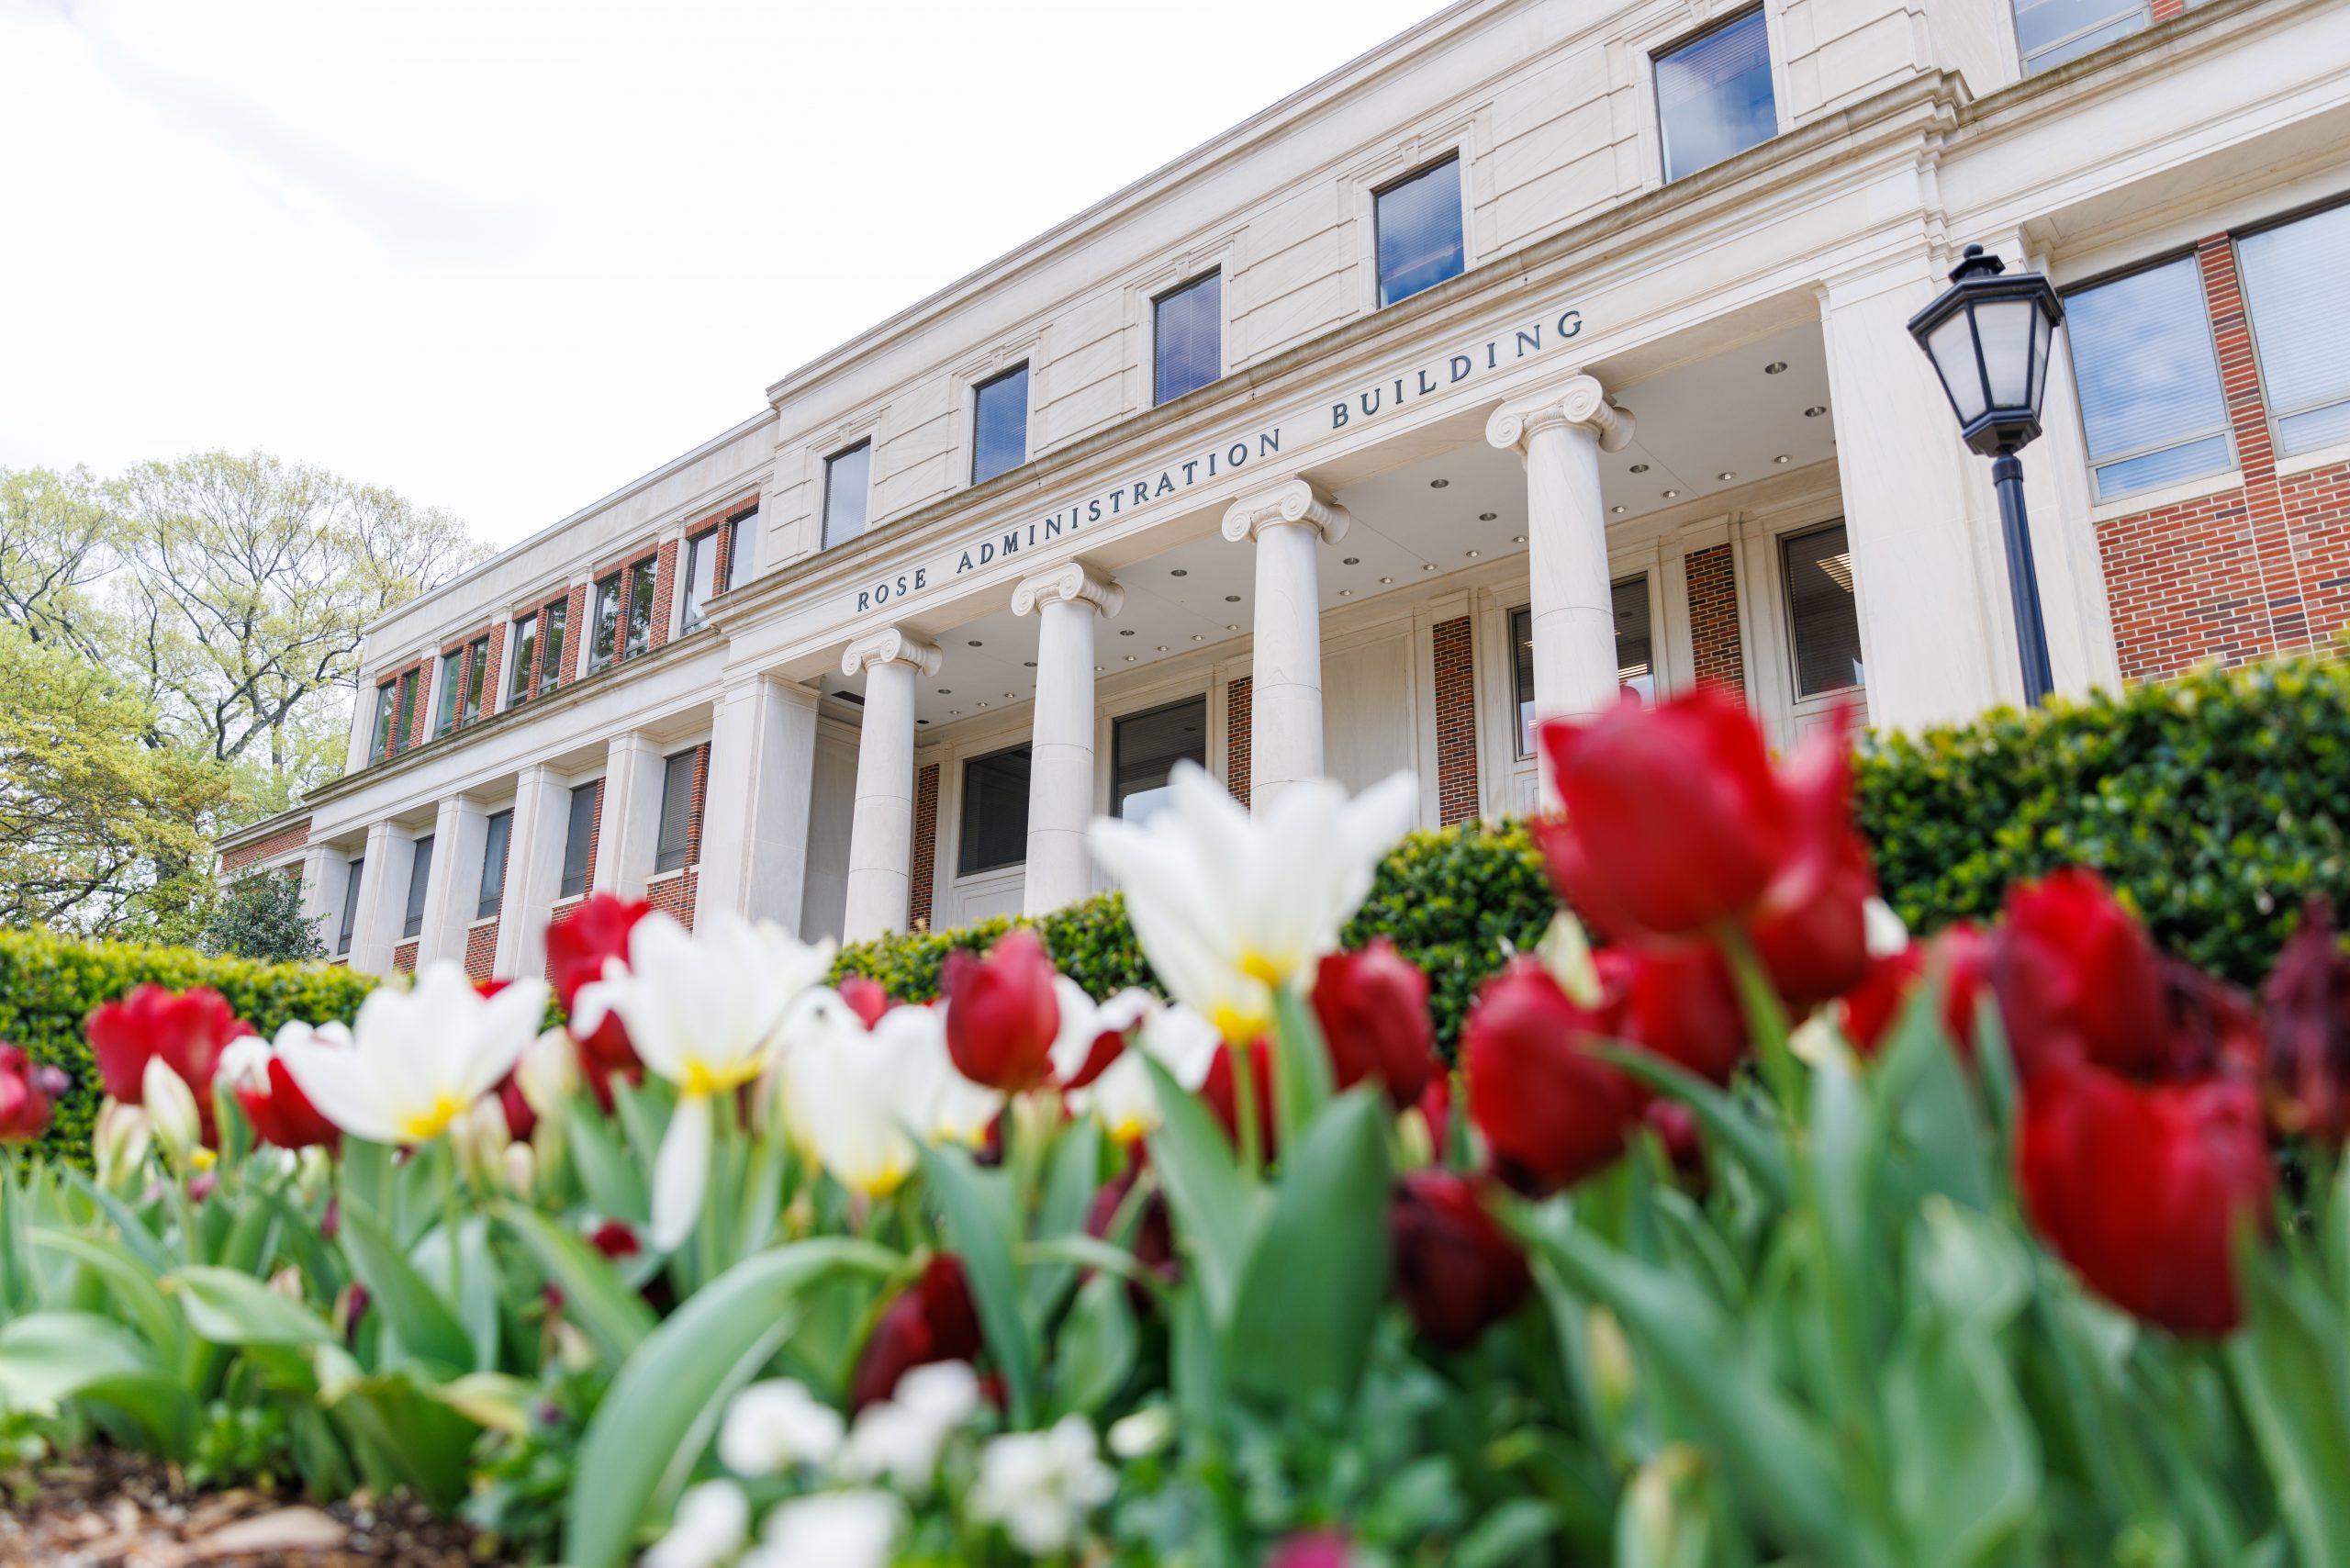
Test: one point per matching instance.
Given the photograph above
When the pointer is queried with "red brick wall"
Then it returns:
(1456, 720)
(420, 721)
(2243, 574)
(1235, 739)
(925, 851)
(277, 843)
(575, 632)
(404, 958)
(664, 587)
(494, 657)
(675, 895)
(1713, 619)
(481, 950)
(2164, 10)
(595, 832)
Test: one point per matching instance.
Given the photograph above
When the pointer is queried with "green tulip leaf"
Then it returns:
(979, 1232)
(131, 1285)
(231, 1308)
(613, 1316)
(1093, 1354)
(1726, 1125)
(46, 1357)
(1216, 1210)
(2288, 1376)
(411, 1304)
(1300, 1077)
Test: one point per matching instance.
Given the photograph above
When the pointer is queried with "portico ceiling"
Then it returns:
(1701, 430)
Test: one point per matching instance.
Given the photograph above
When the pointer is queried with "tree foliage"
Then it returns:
(259, 915)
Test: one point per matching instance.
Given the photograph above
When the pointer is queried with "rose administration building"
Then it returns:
(1547, 350)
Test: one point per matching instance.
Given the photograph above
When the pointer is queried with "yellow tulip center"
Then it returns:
(432, 1123)
(702, 1079)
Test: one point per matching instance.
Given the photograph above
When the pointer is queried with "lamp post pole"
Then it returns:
(2024, 580)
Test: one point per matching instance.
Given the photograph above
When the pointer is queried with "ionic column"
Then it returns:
(1066, 602)
(1559, 433)
(880, 839)
(1286, 521)
(628, 834)
(754, 811)
(533, 870)
(452, 890)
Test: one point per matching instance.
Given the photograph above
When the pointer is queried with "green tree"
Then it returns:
(259, 915)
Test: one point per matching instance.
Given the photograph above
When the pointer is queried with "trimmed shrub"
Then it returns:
(48, 984)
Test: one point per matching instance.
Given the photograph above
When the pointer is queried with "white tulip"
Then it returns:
(851, 1097)
(1146, 1431)
(1883, 929)
(1040, 1485)
(705, 1011)
(711, 1523)
(830, 1529)
(479, 1139)
(417, 1059)
(548, 1074)
(1083, 1021)
(171, 1110)
(772, 1426)
(934, 1098)
(120, 1143)
(1124, 1097)
(244, 1064)
(1229, 907)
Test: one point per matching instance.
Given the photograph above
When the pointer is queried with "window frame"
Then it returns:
(1119, 721)
(2274, 413)
(498, 834)
(676, 769)
(2024, 58)
(1159, 394)
(1461, 208)
(690, 614)
(1780, 542)
(592, 792)
(554, 643)
(448, 680)
(473, 696)
(1027, 408)
(420, 885)
(964, 842)
(354, 871)
(1673, 43)
(2225, 429)
(523, 636)
(640, 591)
(387, 708)
(603, 652)
(831, 475)
(1646, 573)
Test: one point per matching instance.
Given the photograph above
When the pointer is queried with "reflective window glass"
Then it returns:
(1000, 424)
(1418, 220)
(1713, 95)
(995, 813)
(1188, 337)
(2149, 379)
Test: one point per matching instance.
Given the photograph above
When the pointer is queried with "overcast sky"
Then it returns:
(504, 257)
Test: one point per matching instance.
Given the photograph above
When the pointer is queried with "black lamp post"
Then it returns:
(1988, 336)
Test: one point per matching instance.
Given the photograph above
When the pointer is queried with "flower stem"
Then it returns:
(449, 1211)
(1244, 1108)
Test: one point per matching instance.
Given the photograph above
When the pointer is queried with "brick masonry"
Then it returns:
(675, 891)
(2243, 574)
(1235, 739)
(664, 590)
(1713, 619)
(481, 950)
(1456, 720)
(926, 862)
(244, 855)
(404, 958)
(575, 636)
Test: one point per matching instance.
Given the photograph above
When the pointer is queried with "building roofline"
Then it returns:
(269, 826)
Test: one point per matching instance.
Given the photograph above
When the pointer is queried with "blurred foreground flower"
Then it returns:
(27, 1092)
(280, 1113)
(186, 1030)
(1002, 1017)
(417, 1059)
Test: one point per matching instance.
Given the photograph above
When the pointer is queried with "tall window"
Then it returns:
(552, 650)
(475, 703)
(1143, 750)
(2292, 283)
(2050, 32)
(419, 878)
(605, 620)
(848, 479)
(579, 839)
(349, 905)
(492, 864)
(1187, 337)
(1823, 619)
(702, 577)
(444, 699)
(526, 649)
(404, 721)
(2150, 405)
(1635, 653)
(995, 813)
(642, 580)
(1000, 424)
(1713, 95)
(388, 707)
(1418, 220)
(677, 812)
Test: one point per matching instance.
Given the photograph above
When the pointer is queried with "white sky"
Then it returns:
(504, 257)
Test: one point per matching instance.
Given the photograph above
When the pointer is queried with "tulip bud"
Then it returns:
(1552, 1111)
(1373, 1009)
(2308, 998)
(479, 1138)
(26, 1093)
(1148, 1431)
(1456, 1270)
(171, 1107)
(2076, 978)
(1656, 1502)
(1615, 1375)
(548, 1074)
(521, 1170)
(1002, 1015)
(288, 1282)
(120, 1143)
(1565, 951)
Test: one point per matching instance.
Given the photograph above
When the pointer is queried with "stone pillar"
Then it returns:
(880, 839)
(754, 809)
(533, 870)
(453, 893)
(323, 884)
(383, 898)
(1066, 602)
(1559, 433)
(629, 833)
(1286, 521)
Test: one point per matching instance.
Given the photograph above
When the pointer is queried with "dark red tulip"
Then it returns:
(521, 1120)
(1153, 1245)
(1435, 1110)
(866, 997)
(1314, 1548)
(2209, 1029)
(282, 1115)
(1217, 1089)
(2308, 1001)
(1675, 1126)
(1552, 1111)
(1810, 928)
(1000, 1013)
(188, 1030)
(615, 1238)
(932, 1321)
(29, 1091)
(1673, 821)
(2076, 978)
(1961, 952)
(577, 952)
(1457, 1272)
(2143, 1188)
(489, 987)
(1680, 1002)
(1373, 1008)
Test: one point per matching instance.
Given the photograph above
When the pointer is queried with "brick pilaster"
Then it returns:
(1236, 751)
(575, 634)
(1456, 720)
(1720, 658)
(664, 590)
(925, 847)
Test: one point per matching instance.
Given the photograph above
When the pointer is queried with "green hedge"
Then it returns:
(48, 984)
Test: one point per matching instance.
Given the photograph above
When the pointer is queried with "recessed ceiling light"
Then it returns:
(1012, 697)
(1669, 494)
(1430, 567)
(978, 704)
(975, 642)
(1027, 664)
(1774, 367)
(1387, 579)
(1640, 467)
(1346, 593)
(1232, 599)
(1351, 561)
(922, 721)
(954, 712)
(1438, 484)
(1198, 637)
(1517, 539)
(1180, 571)
(1125, 631)
(1726, 475)
(1487, 516)
(1162, 647)
(1474, 554)
(946, 691)
(1232, 626)
(1097, 670)
(1618, 510)
(1815, 411)
(1130, 658)
(1782, 459)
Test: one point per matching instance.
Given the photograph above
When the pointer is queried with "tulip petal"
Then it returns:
(681, 1173)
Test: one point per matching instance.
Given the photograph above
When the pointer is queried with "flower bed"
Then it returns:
(1744, 1229)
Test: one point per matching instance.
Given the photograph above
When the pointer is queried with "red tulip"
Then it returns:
(2209, 1027)
(1457, 1272)
(189, 1031)
(1552, 1113)
(282, 1115)
(2308, 998)
(1435, 1110)
(2077, 977)
(1810, 929)
(1373, 1008)
(866, 997)
(1217, 1089)
(1675, 1126)
(1315, 1549)
(615, 1238)
(1964, 955)
(2143, 1190)
(521, 1121)
(577, 952)
(1673, 820)
(1000, 1013)
(1680, 1002)
(934, 1321)
(1154, 1235)
(27, 1091)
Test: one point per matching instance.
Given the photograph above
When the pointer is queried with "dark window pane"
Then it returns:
(1000, 425)
(1822, 618)
(474, 704)
(492, 864)
(1188, 334)
(677, 812)
(403, 725)
(2050, 32)
(1635, 663)
(349, 905)
(2149, 380)
(607, 622)
(848, 476)
(419, 878)
(551, 658)
(445, 693)
(737, 526)
(387, 703)
(579, 839)
(1419, 232)
(1145, 748)
(702, 577)
(1713, 95)
(995, 812)
(643, 580)
(526, 649)
(1521, 657)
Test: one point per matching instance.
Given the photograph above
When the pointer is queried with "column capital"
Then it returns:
(1579, 401)
(891, 645)
(1071, 583)
(1291, 500)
